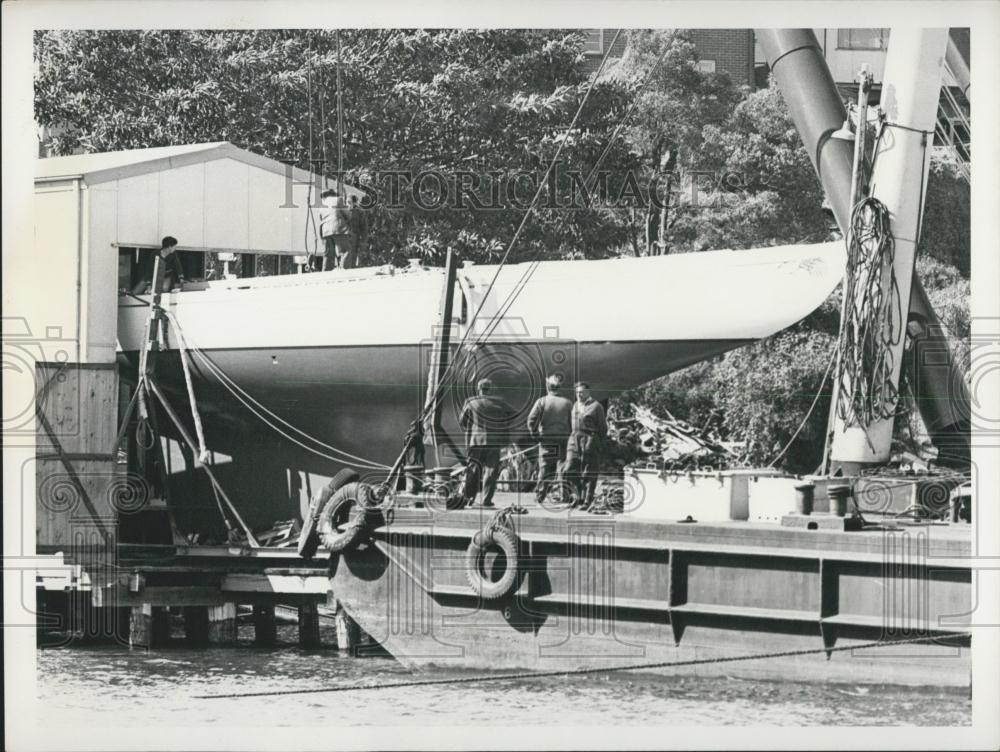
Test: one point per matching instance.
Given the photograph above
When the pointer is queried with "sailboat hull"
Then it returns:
(316, 372)
(319, 409)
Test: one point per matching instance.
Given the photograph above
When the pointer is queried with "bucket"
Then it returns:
(838, 500)
(414, 478)
(804, 494)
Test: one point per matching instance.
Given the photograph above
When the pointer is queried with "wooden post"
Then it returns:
(140, 626)
(348, 632)
(265, 633)
(308, 626)
(222, 624)
(433, 429)
(149, 626)
(196, 625)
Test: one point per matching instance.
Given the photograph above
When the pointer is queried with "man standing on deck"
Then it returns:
(550, 424)
(335, 228)
(583, 454)
(486, 420)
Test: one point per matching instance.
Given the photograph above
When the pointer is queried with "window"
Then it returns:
(862, 39)
(706, 66)
(594, 43)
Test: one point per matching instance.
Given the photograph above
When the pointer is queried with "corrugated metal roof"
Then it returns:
(86, 164)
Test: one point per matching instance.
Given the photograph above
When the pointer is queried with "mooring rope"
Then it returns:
(479, 678)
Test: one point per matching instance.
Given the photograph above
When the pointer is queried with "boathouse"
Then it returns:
(95, 215)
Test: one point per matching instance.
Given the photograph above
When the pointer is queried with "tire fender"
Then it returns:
(486, 588)
(309, 537)
(343, 519)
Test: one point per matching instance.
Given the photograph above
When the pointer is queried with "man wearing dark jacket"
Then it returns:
(486, 420)
(549, 423)
(583, 454)
(170, 264)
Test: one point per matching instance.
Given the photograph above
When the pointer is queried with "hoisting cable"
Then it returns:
(481, 678)
(265, 415)
(340, 126)
(310, 218)
(432, 403)
(495, 319)
(805, 419)
(211, 476)
(192, 402)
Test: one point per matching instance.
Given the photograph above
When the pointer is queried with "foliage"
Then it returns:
(482, 101)
(773, 194)
(675, 106)
(945, 232)
(498, 103)
(757, 395)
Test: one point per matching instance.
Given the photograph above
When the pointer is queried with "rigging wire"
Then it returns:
(340, 125)
(266, 415)
(498, 317)
(805, 419)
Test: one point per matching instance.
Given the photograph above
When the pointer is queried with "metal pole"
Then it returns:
(440, 354)
(817, 110)
(910, 90)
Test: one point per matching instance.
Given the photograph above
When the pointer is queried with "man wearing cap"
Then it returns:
(486, 420)
(550, 424)
(583, 455)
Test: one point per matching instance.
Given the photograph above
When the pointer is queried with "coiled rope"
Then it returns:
(873, 324)
(481, 678)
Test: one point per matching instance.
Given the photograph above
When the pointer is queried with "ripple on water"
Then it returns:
(108, 685)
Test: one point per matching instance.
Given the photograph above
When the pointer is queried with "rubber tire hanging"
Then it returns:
(475, 561)
(309, 538)
(343, 520)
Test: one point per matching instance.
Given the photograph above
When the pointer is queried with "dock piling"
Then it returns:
(149, 626)
(222, 624)
(348, 632)
(265, 632)
(308, 626)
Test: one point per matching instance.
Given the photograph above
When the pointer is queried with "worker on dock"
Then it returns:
(550, 424)
(583, 453)
(335, 228)
(486, 420)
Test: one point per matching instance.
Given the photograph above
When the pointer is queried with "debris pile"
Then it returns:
(641, 435)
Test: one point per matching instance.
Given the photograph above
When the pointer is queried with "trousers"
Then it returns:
(482, 471)
(550, 456)
(583, 463)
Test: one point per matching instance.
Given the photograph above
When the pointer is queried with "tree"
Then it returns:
(439, 103)
(666, 132)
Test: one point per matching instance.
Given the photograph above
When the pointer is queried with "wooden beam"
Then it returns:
(270, 583)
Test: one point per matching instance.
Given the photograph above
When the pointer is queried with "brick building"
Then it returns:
(728, 50)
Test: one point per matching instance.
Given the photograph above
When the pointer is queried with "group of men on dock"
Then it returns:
(569, 436)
